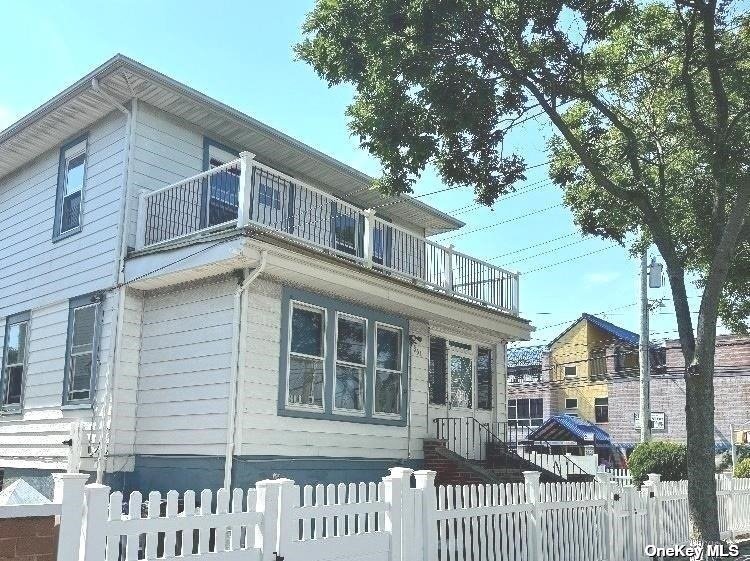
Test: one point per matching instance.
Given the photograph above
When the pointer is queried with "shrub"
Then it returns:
(742, 469)
(665, 458)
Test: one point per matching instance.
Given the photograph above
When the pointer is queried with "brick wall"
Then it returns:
(28, 539)
(731, 395)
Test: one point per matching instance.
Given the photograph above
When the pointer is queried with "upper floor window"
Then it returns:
(269, 196)
(14, 360)
(571, 403)
(570, 371)
(70, 186)
(341, 361)
(601, 409)
(81, 359)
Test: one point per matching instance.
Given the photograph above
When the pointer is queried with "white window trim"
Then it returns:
(571, 408)
(336, 362)
(324, 311)
(400, 372)
(71, 153)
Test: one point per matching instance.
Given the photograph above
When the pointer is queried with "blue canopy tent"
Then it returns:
(565, 434)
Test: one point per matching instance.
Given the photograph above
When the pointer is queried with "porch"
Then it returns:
(245, 194)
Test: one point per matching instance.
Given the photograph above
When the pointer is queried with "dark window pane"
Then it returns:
(346, 233)
(71, 212)
(387, 392)
(523, 409)
(484, 379)
(224, 194)
(350, 383)
(307, 331)
(537, 408)
(350, 340)
(438, 371)
(389, 349)
(14, 381)
(305, 381)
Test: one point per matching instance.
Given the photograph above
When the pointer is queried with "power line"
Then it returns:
(543, 253)
(513, 219)
(531, 246)
(570, 259)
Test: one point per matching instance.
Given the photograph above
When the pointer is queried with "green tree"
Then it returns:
(651, 105)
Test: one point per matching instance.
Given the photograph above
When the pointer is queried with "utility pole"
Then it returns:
(643, 354)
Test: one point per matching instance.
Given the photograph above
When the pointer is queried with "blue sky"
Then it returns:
(241, 54)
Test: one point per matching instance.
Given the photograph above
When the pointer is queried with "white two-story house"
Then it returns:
(190, 298)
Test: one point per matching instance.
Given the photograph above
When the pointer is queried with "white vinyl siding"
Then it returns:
(183, 386)
(166, 150)
(37, 271)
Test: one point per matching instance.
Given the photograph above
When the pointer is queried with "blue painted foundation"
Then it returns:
(163, 473)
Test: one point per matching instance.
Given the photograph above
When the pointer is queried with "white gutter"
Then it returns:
(238, 355)
(107, 406)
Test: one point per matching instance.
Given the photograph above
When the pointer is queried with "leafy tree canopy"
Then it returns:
(650, 102)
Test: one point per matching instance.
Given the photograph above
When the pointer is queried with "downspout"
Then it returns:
(238, 354)
(108, 397)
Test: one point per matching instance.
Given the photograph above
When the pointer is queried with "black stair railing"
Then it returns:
(467, 437)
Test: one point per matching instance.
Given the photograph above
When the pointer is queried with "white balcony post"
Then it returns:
(246, 188)
(68, 494)
(448, 269)
(140, 225)
(369, 241)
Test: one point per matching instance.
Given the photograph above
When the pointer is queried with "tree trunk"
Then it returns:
(699, 419)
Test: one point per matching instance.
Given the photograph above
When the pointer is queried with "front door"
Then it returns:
(460, 419)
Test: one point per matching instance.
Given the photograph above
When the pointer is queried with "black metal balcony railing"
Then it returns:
(245, 193)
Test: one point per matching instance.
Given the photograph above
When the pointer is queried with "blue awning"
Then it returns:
(569, 428)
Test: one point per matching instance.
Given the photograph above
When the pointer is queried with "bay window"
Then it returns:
(341, 361)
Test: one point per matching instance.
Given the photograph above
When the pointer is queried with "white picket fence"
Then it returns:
(388, 521)
(620, 476)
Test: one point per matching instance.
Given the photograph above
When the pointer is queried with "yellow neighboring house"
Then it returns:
(582, 359)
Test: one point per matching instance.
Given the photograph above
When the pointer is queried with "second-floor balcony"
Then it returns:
(244, 193)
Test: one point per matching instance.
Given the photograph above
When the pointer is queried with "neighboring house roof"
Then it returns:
(525, 356)
(617, 332)
(567, 428)
(79, 106)
(20, 492)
